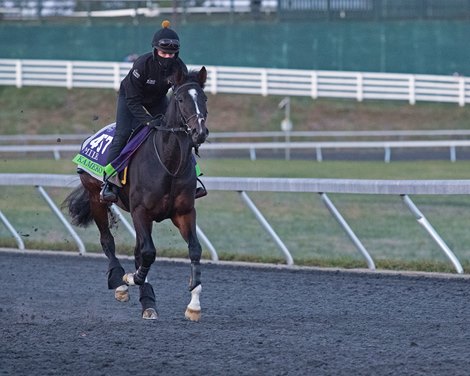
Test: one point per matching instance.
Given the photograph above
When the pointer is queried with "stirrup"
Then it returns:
(200, 191)
(109, 193)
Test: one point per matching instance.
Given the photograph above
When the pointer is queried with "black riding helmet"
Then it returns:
(166, 39)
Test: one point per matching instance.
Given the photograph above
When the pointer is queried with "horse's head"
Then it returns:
(191, 103)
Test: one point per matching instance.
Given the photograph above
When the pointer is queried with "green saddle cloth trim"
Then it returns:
(89, 165)
(109, 170)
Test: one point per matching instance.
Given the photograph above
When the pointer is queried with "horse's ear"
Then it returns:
(202, 76)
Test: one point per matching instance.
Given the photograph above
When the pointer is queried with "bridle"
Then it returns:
(185, 129)
(186, 121)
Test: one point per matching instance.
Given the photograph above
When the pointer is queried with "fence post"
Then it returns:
(264, 82)
(12, 230)
(461, 91)
(428, 227)
(19, 74)
(52, 205)
(359, 92)
(69, 74)
(337, 215)
(213, 78)
(267, 227)
(117, 76)
(412, 89)
(314, 88)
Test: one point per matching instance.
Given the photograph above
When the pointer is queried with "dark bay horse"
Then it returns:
(161, 183)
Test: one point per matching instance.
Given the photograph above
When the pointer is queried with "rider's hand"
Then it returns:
(156, 122)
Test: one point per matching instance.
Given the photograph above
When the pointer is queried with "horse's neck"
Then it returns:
(173, 147)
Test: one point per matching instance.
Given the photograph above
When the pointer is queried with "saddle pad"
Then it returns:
(93, 152)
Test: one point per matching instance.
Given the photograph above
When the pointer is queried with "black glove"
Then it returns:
(156, 122)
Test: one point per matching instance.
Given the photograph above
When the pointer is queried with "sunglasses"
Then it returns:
(171, 44)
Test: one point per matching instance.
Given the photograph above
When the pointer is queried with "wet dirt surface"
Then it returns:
(58, 318)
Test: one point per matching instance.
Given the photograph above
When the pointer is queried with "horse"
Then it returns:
(161, 184)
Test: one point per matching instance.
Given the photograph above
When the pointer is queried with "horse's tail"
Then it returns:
(78, 205)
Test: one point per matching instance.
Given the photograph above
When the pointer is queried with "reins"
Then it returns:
(172, 174)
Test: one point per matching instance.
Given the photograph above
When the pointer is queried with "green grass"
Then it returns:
(281, 168)
(33, 110)
(383, 223)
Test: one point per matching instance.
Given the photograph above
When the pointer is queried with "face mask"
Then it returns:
(165, 63)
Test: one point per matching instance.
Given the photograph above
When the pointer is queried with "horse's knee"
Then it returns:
(148, 257)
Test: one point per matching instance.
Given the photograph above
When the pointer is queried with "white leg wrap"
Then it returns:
(129, 279)
(195, 304)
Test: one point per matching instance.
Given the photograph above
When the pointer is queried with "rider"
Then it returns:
(142, 97)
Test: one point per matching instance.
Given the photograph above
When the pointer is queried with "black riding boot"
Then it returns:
(109, 192)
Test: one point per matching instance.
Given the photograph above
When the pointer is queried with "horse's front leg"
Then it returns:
(187, 226)
(144, 253)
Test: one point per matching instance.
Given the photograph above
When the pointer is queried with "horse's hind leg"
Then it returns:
(187, 226)
(115, 270)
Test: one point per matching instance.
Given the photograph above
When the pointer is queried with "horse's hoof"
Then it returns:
(122, 293)
(150, 314)
(192, 314)
(128, 279)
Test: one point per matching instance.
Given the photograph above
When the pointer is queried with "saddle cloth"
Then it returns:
(94, 150)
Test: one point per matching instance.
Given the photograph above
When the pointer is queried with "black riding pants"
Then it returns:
(125, 124)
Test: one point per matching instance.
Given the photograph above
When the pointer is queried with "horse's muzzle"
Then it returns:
(200, 136)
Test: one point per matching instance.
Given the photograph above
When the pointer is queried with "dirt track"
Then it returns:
(58, 318)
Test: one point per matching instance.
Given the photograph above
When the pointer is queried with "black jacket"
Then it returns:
(145, 87)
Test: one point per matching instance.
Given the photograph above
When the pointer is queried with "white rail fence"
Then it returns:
(129, 8)
(402, 188)
(315, 148)
(270, 135)
(259, 81)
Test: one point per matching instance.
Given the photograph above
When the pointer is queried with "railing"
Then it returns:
(374, 9)
(315, 148)
(402, 188)
(257, 81)
(32, 9)
(312, 9)
(402, 135)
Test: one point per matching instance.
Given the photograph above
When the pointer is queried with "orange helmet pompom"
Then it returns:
(166, 24)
